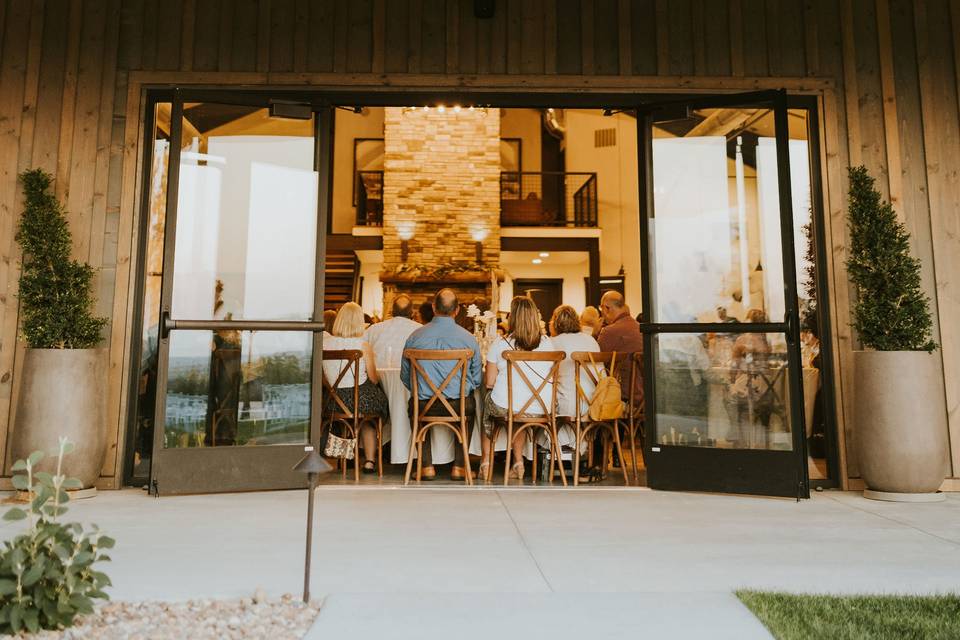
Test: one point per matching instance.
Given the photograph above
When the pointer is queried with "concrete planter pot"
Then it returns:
(63, 393)
(901, 424)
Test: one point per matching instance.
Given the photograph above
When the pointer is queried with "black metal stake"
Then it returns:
(306, 562)
(313, 465)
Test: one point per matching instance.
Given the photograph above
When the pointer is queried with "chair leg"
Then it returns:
(421, 434)
(633, 453)
(464, 442)
(558, 452)
(576, 457)
(623, 466)
(413, 448)
(506, 466)
(379, 447)
(533, 464)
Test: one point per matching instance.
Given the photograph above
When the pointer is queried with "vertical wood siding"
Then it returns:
(895, 66)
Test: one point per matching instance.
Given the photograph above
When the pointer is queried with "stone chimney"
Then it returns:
(441, 193)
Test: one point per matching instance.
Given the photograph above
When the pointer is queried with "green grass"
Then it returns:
(811, 617)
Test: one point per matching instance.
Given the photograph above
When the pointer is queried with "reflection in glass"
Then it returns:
(722, 390)
(717, 246)
(246, 216)
(153, 274)
(232, 388)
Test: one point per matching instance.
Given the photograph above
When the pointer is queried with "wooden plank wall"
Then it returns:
(894, 65)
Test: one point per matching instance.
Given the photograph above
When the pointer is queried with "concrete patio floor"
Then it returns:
(414, 562)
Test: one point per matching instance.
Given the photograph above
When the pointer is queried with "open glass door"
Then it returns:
(721, 330)
(241, 298)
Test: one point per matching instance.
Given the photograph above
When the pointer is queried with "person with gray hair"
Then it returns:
(444, 333)
(388, 337)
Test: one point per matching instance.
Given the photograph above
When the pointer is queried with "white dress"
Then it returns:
(535, 372)
(567, 389)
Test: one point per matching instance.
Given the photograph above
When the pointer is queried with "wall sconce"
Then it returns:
(479, 235)
(405, 233)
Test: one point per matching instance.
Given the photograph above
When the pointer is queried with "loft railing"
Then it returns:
(527, 199)
(548, 198)
(369, 189)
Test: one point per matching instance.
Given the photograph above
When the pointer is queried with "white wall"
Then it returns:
(371, 263)
(523, 124)
(347, 127)
(617, 190)
(572, 273)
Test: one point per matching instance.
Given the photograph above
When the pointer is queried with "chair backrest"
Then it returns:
(349, 358)
(591, 362)
(636, 384)
(514, 360)
(461, 357)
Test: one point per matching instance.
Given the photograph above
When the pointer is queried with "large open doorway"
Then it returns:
(236, 399)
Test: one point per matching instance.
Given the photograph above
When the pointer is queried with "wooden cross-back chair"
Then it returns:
(590, 363)
(522, 421)
(337, 411)
(635, 411)
(455, 415)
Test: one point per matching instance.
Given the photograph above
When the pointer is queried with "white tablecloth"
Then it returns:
(441, 439)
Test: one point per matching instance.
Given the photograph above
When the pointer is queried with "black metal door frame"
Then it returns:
(674, 467)
(236, 468)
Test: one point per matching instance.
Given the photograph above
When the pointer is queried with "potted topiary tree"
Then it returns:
(899, 401)
(63, 373)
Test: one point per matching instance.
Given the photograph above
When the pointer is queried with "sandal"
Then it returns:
(516, 471)
(369, 466)
(483, 473)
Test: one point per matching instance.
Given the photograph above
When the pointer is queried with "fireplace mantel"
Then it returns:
(416, 277)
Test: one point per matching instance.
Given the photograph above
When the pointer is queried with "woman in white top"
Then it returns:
(348, 334)
(568, 337)
(525, 335)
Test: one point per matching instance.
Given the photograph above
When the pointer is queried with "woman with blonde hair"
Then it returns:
(525, 335)
(590, 321)
(347, 333)
(566, 335)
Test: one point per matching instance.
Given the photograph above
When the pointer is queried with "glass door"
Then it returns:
(240, 299)
(721, 329)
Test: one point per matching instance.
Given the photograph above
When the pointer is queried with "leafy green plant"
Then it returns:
(892, 313)
(46, 574)
(56, 300)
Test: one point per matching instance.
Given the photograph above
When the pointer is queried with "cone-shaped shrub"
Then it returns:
(891, 313)
(56, 302)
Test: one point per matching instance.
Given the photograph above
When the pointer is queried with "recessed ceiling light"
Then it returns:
(536, 261)
(441, 108)
(544, 254)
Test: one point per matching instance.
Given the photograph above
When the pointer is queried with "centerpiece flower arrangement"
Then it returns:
(484, 327)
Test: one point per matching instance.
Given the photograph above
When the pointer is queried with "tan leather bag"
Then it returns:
(606, 402)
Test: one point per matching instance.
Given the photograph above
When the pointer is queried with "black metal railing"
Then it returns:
(548, 198)
(369, 188)
(527, 199)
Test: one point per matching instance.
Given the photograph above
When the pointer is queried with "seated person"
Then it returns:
(590, 322)
(426, 312)
(347, 333)
(329, 317)
(621, 333)
(525, 335)
(443, 333)
(388, 337)
(566, 336)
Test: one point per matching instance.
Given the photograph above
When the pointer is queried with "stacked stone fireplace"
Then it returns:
(441, 202)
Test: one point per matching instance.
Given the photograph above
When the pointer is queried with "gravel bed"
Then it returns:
(255, 618)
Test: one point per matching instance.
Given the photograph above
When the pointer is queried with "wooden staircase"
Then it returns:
(340, 272)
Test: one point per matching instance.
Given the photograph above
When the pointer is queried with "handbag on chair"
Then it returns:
(339, 447)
